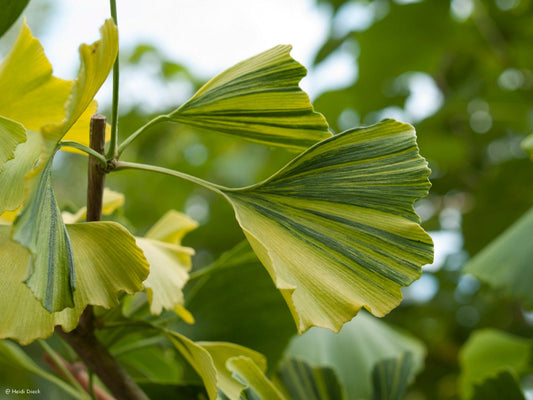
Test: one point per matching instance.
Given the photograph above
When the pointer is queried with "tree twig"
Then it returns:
(83, 339)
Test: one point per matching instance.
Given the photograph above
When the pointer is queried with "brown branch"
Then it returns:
(79, 372)
(82, 339)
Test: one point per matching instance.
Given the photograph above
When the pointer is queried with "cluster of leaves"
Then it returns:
(335, 230)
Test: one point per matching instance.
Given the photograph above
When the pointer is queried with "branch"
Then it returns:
(82, 339)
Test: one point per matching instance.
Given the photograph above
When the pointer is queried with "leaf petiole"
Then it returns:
(142, 129)
(85, 149)
(112, 151)
(121, 165)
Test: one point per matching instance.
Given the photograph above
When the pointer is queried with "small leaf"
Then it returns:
(391, 377)
(259, 100)
(11, 10)
(505, 263)
(501, 386)
(247, 371)
(11, 135)
(336, 229)
(302, 381)
(238, 275)
(488, 352)
(355, 350)
(222, 353)
(199, 359)
(40, 228)
(97, 61)
(30, 94)
(106, 261)
(169, 261)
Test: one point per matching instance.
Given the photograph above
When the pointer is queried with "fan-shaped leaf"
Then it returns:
(169, 261)
(506, 262)
(99, 279)
(259, 100)
(355, 350)
(222, 353)
(391, 376)
(488, 352)
(247, 371)
(40, 228)
(336, 228)
(97, 61)
(302, 381)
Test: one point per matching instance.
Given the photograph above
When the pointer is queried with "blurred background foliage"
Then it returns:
(461, 71)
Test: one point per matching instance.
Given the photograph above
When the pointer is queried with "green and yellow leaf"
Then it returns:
(97, 61)
(222, 353)
(99, 280)
(247, 371)
(12, 176)
(336, 228)
(40, 228)
(259, 100)
(169, 261)
(11, 135)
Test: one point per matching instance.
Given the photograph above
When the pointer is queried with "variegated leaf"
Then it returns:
(259, 100)
(336, 228)
(99, 280)
(40, 228)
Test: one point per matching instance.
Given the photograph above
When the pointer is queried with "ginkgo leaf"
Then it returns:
(336, 228)
(11, 135)
(489, 352)
(12, 176)
(302, 381)
(247, 371)
(40, 228)
(359, 346)
(259, 100)
(505, 263)
(221, 353)
(169, 261)
(97, 61)
(30, 94)
(102, 272)
(391, 377)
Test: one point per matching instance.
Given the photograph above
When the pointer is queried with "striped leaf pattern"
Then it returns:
(303, 382)
(336, 228)
(40, 228)
(102, 272)
(391, 377)
(259, 100)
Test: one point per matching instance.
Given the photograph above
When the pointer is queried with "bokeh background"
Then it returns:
(461, 71)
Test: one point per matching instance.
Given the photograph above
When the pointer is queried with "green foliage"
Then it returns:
(330, 230)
